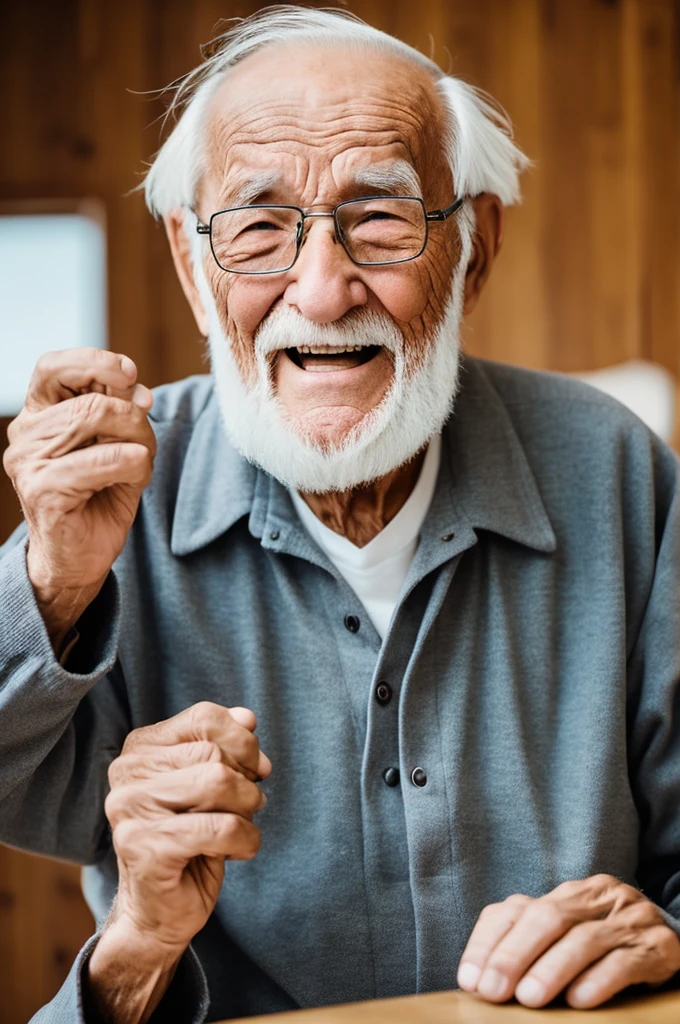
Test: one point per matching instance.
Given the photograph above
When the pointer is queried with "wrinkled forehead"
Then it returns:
(316, 119)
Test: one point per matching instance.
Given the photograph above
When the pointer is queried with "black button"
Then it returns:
(352, 623)
(274, 535)
(383, 693)
(391, 776)
(448, 536)
(418, 777)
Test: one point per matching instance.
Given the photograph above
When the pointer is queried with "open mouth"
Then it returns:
(326, 358)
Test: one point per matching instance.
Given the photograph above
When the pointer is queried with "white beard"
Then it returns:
(415, 408)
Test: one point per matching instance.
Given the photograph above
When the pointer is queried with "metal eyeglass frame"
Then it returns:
(432, 215)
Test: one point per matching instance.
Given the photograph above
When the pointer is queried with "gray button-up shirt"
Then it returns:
(533, 658)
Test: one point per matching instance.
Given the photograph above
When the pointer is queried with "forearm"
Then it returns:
(126, 977)
(53, 772)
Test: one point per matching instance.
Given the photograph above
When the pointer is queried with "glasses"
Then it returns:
(374, 232)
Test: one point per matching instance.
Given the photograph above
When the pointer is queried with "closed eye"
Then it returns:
(377, 215)
(262, 225)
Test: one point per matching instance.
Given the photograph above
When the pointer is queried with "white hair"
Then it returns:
(478, 142)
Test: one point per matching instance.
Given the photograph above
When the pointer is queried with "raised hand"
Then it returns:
(80, 454)
(183, 796)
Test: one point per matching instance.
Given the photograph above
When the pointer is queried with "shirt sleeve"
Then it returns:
(60, 725)
(185, 1002)
(654, 706)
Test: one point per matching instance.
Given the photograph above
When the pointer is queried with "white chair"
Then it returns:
(647, 388)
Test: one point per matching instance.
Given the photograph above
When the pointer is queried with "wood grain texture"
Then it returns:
(589, 273)
(461, 1008)
(43, 923)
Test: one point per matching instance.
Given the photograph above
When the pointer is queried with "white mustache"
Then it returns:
(285, 328)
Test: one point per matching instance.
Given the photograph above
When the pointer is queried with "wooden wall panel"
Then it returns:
(589, 273)
(43, 923)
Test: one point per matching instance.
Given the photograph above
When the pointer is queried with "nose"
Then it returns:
(323, 282)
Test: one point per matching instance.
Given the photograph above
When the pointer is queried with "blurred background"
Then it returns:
(589, 275)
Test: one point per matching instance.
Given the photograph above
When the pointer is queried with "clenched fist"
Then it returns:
(80, 454)
(183, 796)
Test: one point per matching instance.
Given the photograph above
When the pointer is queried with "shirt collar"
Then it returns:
(490, 482)
(216, 486)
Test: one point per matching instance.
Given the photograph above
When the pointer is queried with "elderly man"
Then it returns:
(444, 591)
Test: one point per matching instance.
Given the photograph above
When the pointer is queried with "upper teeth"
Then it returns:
(327, 350)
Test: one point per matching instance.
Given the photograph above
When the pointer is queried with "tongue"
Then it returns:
(324, 363)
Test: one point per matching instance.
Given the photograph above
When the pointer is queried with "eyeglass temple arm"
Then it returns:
(447, 211)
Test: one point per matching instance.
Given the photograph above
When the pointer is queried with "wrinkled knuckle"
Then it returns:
(220, 775)
(516, 899)
(605, 884)
(114, 806)
(115, 773)
(549, 915)
(14, 428)
(126, 837)
(634, 895)
(203, 715)
(644, 948)
(657, 940)
(251, 797)
(643, 914)
(135, 739)
(585, 934)
(47, 364)
(505, 961)
(628, 903)
(30, 488)
(571, 888)
(88, 407)
(101, 356)
(107, 455)
(668, 944)
(231, 828)
(9, 460)
(490, 911)
(206, 751)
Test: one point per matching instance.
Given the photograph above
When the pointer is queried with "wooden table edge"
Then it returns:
(457, 1007)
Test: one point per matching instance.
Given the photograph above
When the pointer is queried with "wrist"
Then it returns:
(124, 941)
(60, 607)
(128, 974)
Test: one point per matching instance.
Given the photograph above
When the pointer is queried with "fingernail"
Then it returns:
(128, 367)
(263, 801)
(142, 396)
(530, 991)
(468, 975)
(584, 995)
(493, 984)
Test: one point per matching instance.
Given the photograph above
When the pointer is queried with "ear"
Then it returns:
(486, 245)
(184, 265)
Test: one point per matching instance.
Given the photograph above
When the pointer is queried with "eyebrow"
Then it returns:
(256, 187)
(399, 176)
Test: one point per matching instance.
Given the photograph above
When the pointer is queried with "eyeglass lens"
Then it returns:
(260, 239)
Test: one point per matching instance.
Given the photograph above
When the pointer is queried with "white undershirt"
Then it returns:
(376, 572)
